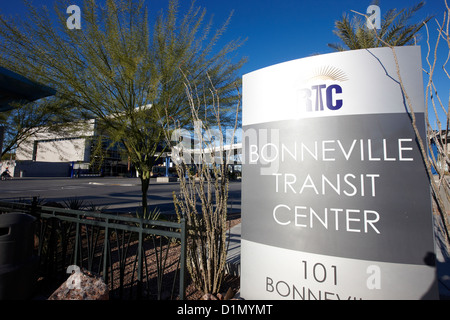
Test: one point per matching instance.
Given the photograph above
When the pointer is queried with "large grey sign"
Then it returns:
(336, 199)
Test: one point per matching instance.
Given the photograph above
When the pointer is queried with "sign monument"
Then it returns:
(335, 196)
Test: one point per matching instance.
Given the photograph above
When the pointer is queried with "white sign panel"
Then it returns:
(335, 197)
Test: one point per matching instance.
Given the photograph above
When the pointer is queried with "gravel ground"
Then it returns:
(233, 282)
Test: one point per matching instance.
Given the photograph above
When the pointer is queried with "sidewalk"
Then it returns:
(233, 266)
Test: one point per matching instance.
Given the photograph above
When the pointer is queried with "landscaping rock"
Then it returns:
(82, 285)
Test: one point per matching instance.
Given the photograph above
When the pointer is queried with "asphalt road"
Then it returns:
(116, 194)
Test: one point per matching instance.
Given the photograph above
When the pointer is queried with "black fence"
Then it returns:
(137, 258)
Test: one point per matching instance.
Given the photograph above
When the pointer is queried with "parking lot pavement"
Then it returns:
(114, 194)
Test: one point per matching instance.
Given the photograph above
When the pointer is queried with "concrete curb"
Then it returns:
(114, 184)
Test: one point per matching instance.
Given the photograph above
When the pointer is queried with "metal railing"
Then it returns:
(133, 255)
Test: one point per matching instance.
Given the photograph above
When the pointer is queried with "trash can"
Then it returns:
(18, 264)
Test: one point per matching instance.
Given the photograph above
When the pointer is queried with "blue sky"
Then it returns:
(277, 30)
(282, 30)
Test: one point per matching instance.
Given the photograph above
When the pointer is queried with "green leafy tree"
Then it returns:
(121, 69)
(396, 30)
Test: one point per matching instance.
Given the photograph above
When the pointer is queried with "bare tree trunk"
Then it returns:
(144, 188)
(145, 182)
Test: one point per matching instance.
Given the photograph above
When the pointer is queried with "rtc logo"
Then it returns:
(324, 92)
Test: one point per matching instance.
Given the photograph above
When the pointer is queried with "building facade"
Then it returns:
(81, 150)
(72, 152)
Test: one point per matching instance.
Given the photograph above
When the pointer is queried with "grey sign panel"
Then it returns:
(347, 193)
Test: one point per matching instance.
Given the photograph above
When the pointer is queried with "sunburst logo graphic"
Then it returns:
(321, 90)
(328, 73)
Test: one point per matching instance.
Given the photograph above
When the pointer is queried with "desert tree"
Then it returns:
(202, 164)
(396, 29)
(436, 162)
(120, 68)
(25, 119)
